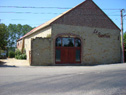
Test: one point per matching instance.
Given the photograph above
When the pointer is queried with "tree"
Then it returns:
(12, 28)
(124, 37)
(25, 29)
(16, 32)
(19, 31)
(3, 36)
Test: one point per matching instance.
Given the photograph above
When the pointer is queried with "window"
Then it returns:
(58, 42)
(77, 55)
(58, 55)
(77, 42)
(68, 42)
(18, 44)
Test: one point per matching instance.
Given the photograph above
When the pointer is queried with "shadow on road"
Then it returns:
(91, 65)
(3, 64)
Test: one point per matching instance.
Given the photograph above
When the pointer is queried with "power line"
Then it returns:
(22, 19)
(34, 7)
(28, 13)
(42, 19)
(49, 13)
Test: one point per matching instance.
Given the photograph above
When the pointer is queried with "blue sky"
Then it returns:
(41, 15)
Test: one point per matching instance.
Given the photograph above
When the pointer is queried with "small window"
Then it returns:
(18, 44)
(58, 42)
(77, 55)
(58, 55)
(68, 42)
(77, 42)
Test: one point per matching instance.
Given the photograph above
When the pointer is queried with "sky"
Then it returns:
(47, 9)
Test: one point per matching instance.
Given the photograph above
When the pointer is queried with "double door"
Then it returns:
(68, 54)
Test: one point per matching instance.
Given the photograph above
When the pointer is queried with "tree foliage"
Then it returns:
(16, 32)
(124, 37)
(3, 36)
(11, 33)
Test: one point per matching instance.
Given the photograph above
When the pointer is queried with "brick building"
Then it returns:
(82, 35)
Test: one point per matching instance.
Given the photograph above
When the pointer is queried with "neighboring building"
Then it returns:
(82, 35)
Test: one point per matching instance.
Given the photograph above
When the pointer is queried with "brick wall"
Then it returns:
(41, 51)
(87, 14)
(41, 33)
(99, 45)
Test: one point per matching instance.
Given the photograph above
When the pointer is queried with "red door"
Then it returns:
(68, 52)
(71, 55)
(68, 55)
(64, 55)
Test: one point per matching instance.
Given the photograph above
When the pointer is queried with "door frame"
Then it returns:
(72, 36)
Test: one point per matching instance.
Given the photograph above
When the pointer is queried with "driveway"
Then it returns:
(63, 80)
(13, 62)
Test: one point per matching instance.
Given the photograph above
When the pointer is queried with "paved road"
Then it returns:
(63, 80)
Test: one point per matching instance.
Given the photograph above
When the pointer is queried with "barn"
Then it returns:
(82, 35)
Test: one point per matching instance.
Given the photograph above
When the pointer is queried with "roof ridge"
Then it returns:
(51, 21)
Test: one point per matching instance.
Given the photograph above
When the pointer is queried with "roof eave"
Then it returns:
(33, 32)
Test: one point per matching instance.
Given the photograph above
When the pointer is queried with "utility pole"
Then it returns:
(122, 44)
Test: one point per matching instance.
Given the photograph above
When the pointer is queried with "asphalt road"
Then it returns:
(63, 80)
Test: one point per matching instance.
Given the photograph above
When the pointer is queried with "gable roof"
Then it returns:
(85, 14)
(43, 25)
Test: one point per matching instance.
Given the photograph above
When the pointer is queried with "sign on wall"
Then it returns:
(100, 35)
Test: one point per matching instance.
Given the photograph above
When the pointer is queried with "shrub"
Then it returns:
(24, 51)
(19, 55)
(17, 52)
(1, 56)
(23, 56)
(11, 54)
(16, 56)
